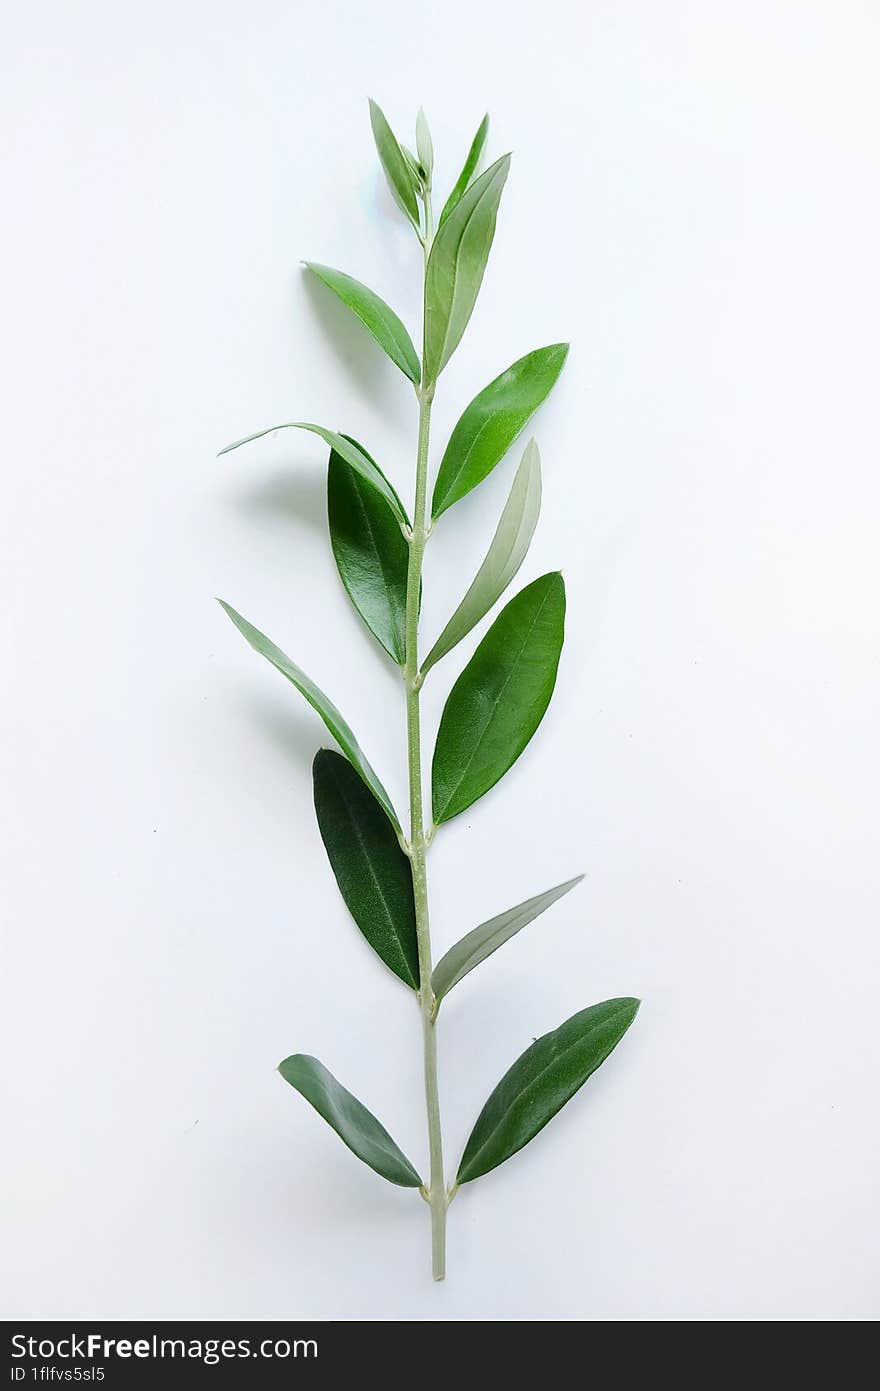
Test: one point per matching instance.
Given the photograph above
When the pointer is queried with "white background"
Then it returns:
(694, 204)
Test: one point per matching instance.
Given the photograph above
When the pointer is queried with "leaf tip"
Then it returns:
(323, 757)
(629, 1005)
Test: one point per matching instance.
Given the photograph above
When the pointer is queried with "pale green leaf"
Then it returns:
(413, 164)
(475, 946)
(315, 696)
(360, 462)
(504, 557)
(424, 146)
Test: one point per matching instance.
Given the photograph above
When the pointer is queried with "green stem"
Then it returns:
(418, 844)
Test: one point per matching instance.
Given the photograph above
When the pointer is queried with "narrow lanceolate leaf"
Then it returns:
(456, 264)
(492, 422)
(400, 180)
(489, 936)
(413, 165)
(467, 173)
(373, 874)
(504, 557)
(318, 701)
(354, 1124)
(424, 145)
(541, 1081)
(375, 315)
(371, 553)
(351, 453)
(499, 700)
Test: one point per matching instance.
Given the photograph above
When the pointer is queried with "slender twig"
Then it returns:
(418, 840)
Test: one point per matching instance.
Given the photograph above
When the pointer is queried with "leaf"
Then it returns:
(489, 936)
(468, 171)
(318, 701)
(396, 170)
(371, 553)
(504, 557)
(492, 422)
(374, 314)
(351, 453)
(424, 146)
(413, 164)
(456, 264)
(541, 1081)
(373, 873)
(354, 1124)
(499, 700)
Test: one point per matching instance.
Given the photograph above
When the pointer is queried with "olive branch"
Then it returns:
(493, 708)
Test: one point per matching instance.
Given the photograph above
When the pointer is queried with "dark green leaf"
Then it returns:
(492, 422)
(373, 873)
(400, 181)
(371, 553)
(504, 557)
(489, 936)
(350, 452)
(375, 315)
(499, 700)
(456, 264)
(318, 701)
(468, 171)
(354, 1124)
(541, 1081)
(425, 146)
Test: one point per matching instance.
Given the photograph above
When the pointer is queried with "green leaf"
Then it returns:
(504, 557)
(489, 936)
(541, 1081)
(492, 422)
(375, 315)
(397, 172)
(351, 453)
(468, 171)
(413, 164)
(456, 264)
(499, 700)
(354, 1124)
(318, 701)
(424, 146)
(373, 873)
(371, 553)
